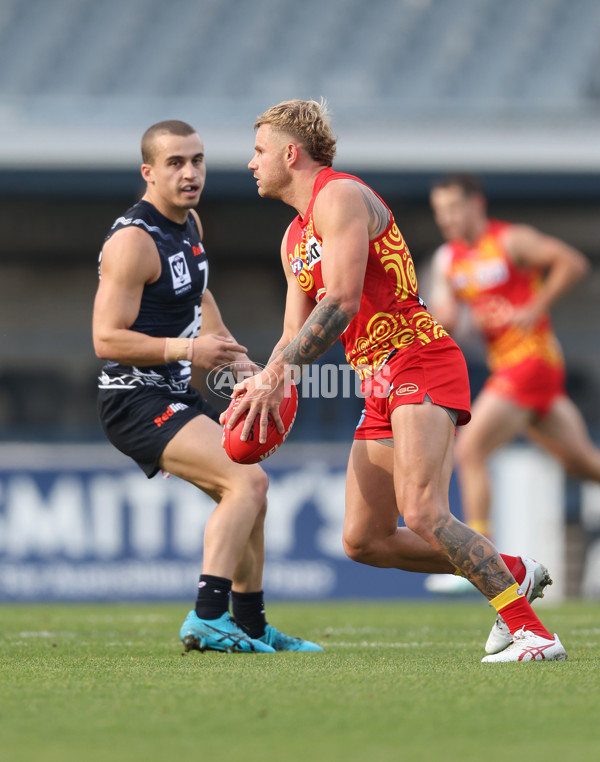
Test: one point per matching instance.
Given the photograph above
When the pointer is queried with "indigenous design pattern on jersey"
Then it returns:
(392, 316)
(485, 277)
(172, 305)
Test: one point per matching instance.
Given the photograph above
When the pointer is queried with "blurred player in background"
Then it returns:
(154, 319)
(508, 276)
(350, 276)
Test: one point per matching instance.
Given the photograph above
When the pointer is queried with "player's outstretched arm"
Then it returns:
(563, 266)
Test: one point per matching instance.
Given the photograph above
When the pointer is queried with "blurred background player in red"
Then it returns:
(508, 276)
(350, 276)
(154, 320)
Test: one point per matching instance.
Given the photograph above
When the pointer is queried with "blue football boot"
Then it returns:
(281, 642)
(220, 634)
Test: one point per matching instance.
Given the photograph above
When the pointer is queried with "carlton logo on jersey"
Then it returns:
(182, 280)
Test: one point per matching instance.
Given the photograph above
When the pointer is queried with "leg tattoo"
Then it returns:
(474, 556)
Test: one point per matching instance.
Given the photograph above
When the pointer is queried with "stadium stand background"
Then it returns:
(509, 89)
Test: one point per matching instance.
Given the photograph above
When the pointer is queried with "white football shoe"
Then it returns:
(526, 646)
(536, 579)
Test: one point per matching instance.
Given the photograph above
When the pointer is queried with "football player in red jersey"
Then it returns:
(508, 276)
(350, 276)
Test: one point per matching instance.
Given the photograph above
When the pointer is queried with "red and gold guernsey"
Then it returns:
(484, 276)
(392, 316)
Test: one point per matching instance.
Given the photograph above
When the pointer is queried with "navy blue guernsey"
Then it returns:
(172, 305)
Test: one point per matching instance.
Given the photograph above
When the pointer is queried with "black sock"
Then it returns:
(249, 612)
(213, 596)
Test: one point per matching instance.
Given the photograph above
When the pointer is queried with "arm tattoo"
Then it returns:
(277, 350)
(324, 325)
(475, 556)
(379, 215)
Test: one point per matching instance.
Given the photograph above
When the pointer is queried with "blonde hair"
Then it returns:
(308, 122)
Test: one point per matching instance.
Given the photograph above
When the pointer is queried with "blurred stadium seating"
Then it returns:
(477, 53)
(71, 69)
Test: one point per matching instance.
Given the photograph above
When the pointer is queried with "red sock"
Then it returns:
(515, 566)
(514, 608)
(519, 615)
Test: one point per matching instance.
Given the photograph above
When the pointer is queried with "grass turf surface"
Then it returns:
(398, 680)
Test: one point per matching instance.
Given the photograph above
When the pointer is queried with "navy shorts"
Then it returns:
(142, 421)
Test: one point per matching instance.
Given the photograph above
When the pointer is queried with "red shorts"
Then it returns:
(437, 370)
(534, 384)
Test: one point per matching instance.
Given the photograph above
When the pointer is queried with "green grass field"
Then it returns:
(397, 681)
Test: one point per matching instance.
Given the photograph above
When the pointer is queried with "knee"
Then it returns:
(257, 485)
(252, 485)
(416, 522)
(359, 548)
(422, 519)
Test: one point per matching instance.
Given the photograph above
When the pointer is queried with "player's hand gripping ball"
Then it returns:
(252, 451)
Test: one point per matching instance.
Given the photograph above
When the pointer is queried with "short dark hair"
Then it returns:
(469, 184)
(168, 127)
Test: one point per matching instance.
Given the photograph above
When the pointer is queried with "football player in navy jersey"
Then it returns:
(154, 319)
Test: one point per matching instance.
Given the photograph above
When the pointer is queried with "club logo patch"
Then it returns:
(407, 389)
(180, 274)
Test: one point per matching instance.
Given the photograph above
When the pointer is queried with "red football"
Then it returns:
(252, 451)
